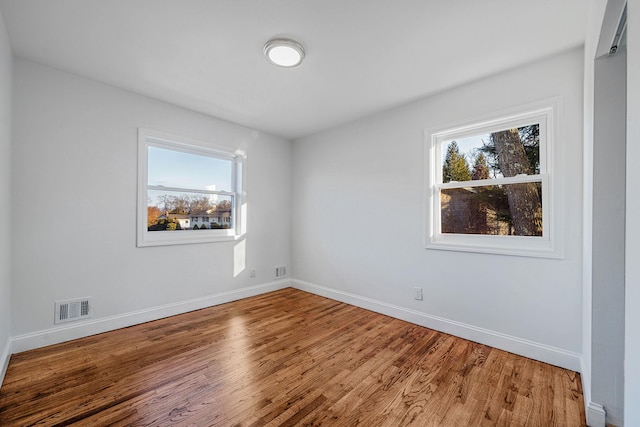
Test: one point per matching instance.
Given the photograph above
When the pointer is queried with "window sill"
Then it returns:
(535, 247)
(185, 237)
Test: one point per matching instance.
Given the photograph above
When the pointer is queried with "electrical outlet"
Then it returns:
(252, 272)
(417, 293)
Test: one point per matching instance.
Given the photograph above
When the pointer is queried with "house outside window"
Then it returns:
(490, 185)
(182, 183)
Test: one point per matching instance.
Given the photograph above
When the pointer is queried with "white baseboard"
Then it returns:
(4, 360)
(89, 327)
(542, 352)
(585, 376)
(596, 415)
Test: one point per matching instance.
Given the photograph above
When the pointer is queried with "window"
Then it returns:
(489, 186)
(180, 182)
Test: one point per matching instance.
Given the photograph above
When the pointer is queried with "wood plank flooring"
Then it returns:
(287, 358)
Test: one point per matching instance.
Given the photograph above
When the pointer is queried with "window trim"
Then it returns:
(549, 245)
(149, 138)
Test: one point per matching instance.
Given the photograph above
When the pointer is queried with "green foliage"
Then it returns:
(455, 166)
(195, 227)
(530, 136)
(165, 224)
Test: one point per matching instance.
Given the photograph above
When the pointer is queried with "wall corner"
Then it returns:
(5, 355)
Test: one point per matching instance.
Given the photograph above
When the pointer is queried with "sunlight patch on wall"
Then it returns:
(239, 257)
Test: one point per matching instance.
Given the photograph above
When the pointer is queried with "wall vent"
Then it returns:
(73, 309)
(281, 271)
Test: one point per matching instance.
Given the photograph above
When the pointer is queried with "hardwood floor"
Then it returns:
(287, 358)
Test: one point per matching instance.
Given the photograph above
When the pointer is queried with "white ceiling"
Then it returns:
(363, 56)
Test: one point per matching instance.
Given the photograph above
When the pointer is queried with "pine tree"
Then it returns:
(480, 168)
(455, 166)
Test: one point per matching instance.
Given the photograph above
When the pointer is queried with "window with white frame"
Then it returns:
(183, 186)
(489, 185)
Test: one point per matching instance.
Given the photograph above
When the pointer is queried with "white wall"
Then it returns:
(74, 162)
(608, 255)
(596, 15)
(358, 220)
(632, 279)
(5, 196)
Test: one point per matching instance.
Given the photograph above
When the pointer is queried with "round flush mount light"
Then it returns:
(284, 52)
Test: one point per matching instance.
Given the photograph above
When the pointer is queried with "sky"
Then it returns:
(467, 146)
(176, 169)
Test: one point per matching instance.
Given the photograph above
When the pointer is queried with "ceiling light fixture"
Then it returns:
(284, 52)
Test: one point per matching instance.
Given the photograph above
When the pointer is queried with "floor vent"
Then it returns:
(74, 309)
(281, 271)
